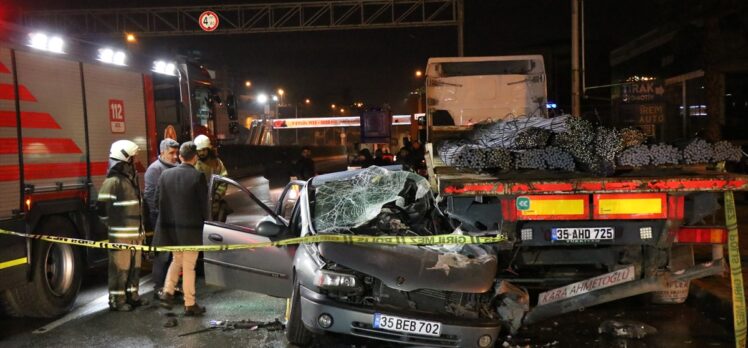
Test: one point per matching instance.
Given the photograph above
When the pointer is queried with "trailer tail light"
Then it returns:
(552, 207)
(630, 206)
(675, 207)
(702, 235)
(508, 210)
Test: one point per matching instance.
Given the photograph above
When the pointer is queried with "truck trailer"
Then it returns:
(577, 239)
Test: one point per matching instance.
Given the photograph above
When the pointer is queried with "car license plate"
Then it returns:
(582, 233)
(421, 327)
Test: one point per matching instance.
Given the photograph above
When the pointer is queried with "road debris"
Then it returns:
(626, 329)
(229, 325)
(514, 303)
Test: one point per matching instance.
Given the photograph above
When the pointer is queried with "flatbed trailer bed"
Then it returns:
(457, 182)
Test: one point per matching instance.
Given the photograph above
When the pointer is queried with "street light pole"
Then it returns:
(420, 101)
(296, 115)
(460, 28)
(281, 92)
(576, 98)
(420, 90)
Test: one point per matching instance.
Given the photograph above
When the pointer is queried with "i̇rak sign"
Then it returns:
(117, 115)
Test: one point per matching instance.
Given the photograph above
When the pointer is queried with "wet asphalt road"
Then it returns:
(91, 324)
(677, 325)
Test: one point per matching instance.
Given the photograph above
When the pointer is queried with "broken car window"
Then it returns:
(355, 201)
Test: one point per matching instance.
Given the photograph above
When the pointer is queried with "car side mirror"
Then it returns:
(269, 229)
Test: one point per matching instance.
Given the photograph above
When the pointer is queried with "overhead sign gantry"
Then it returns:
(253, 18)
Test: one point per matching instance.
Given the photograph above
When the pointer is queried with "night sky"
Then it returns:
(377, 66)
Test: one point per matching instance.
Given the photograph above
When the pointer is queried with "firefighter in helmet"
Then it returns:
(209, 164)
(120, 208)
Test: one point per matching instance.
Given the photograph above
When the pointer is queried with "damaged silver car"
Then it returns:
(438, 296)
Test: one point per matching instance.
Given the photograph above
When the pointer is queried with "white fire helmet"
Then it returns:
(123, 150)
(202, 142)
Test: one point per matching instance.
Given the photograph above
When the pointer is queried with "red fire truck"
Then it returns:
(60, 110)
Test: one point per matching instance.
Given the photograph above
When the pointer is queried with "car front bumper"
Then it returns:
(357, 321)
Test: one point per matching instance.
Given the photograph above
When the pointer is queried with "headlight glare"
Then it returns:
(334, 280)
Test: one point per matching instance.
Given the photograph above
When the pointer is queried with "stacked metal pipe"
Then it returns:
(572, 143)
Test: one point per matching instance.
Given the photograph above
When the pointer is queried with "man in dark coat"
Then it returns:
(417, 156)
(305, 165)
(168, 158)
(183, 207)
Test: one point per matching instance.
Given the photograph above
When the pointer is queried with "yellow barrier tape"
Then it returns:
(736, 271)
(333, 238)
(12, 263)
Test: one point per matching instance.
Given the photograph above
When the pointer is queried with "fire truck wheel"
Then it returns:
(56, 276)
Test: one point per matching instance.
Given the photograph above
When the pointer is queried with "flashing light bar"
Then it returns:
(165, 68)
(110, 56)
(41, 41)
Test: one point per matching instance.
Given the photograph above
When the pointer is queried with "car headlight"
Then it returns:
(334, 280)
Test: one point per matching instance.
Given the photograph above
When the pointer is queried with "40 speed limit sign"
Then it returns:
(208, 21)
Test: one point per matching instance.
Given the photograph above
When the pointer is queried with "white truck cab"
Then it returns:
(463, 91)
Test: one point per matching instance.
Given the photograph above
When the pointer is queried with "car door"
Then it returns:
(287, 200)
(263, 270)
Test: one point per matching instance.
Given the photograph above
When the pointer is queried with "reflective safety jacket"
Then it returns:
(210, 166)
(119, 203)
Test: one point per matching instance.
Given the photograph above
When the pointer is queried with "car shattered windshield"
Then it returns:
(400, 199)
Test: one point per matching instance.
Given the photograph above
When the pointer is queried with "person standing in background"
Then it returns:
(209, 164)
(182, 210)
(305, 168)
(168, 158)
(120, 209)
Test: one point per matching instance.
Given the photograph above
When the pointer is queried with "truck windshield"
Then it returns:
(507, 67)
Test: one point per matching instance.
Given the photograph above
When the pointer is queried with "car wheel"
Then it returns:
(56, 277)
(296, 332)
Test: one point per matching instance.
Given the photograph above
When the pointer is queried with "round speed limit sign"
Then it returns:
(208, 21)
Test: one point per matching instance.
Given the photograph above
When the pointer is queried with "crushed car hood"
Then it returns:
(408, 268)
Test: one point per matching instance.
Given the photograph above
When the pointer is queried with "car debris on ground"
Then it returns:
(626, 329)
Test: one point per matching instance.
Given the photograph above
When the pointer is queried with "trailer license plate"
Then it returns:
(421, 327)
(582, 233)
